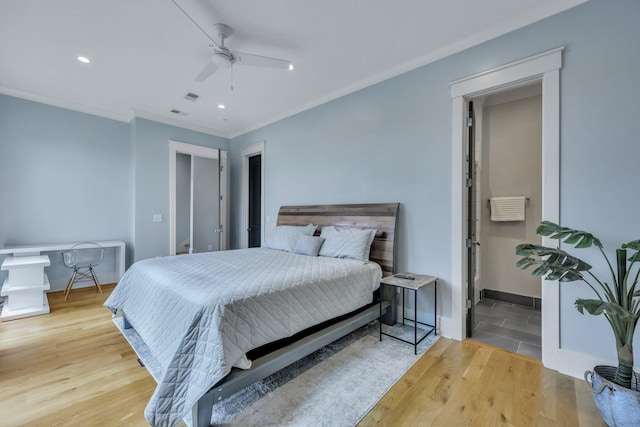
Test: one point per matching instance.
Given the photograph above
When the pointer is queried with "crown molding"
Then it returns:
(120, 117)
(436, 55)
(178, 123)
(68, 105)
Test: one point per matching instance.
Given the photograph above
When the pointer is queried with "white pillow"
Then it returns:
(285, 237)
(308, 245)
(346, 242)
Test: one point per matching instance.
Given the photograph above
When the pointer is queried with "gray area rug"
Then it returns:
(335, 386)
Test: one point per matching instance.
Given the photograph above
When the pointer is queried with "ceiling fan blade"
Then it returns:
(260, 61)
(193, 21)
(206, 72)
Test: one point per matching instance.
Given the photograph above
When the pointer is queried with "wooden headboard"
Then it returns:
(380, 216)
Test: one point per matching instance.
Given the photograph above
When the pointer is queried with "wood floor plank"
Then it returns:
(485, 386)
(72, 367)
(477, 368)
(588, 415)
(566, 412)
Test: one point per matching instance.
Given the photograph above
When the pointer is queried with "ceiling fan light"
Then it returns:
(220, 60)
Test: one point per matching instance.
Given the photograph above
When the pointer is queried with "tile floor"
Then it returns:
(510, 326)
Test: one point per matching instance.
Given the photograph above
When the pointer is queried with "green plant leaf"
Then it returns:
(574, 238)
(596, 307)
(635, 257)
(551, 257)
(525, 263)
(635, 245)
(540, 271)
(560, 235)
(579, 238)
(547, 228)
(586, 242)
(555, 259)
(568, 276)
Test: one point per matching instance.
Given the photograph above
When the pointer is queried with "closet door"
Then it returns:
(205, 204)
(198, 193)
(183, 204)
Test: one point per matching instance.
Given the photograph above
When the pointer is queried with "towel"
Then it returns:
(507, 208)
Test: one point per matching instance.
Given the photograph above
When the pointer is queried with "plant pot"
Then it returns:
(619, 406)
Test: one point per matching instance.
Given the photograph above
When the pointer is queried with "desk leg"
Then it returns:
(415, 321)
(435, 308)
(403, 316)
(120, 261)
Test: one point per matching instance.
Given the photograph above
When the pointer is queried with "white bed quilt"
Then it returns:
(200, 314)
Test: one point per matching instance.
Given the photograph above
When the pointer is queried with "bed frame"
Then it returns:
(382, 217)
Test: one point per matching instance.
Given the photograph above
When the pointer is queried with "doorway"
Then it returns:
(504, 210)
(198, 187)
(252, 195)
(255, 200)
(545, 68)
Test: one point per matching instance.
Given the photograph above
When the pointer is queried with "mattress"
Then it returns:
(200, 314)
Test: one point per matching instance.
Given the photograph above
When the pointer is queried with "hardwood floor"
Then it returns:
(73, 368)
(474, 384)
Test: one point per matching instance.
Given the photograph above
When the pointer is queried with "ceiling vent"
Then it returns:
(191, 96)
(181, 113)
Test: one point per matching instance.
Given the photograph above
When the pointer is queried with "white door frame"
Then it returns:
(544, 67)
(176, 147)
(246, 152)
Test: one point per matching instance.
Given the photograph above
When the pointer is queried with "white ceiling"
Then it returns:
(145, 54)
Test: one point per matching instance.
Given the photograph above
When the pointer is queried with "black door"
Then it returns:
(255, 200)
(471, 240)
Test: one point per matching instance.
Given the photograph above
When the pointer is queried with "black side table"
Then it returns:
(412, 282)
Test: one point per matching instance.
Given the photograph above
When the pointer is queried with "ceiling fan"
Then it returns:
(225, 58)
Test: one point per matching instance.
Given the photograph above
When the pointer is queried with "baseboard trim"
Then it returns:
(572, 363)
(525, 301)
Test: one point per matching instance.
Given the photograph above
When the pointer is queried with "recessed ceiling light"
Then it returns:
(84, 59)
(291, 67)
(221, 106)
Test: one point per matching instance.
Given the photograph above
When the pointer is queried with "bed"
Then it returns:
(201, 315)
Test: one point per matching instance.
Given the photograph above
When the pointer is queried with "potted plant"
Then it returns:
(616, 390)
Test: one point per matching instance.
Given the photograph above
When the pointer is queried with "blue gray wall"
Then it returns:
(392, 142)
(64, 175)
(151, 239)
(67, 176)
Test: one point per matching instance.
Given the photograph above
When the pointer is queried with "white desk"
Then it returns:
(22, 266)
(27, 250)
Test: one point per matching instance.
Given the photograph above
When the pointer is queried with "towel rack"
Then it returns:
(527, 200)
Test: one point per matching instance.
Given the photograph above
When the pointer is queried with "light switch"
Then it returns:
(157, 217)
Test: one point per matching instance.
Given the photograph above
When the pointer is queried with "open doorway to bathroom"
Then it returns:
(505, 207)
